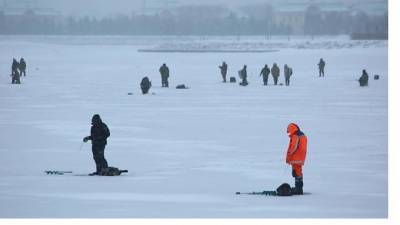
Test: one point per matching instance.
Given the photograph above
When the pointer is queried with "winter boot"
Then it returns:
(298, 189)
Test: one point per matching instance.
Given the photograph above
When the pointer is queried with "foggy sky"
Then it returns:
(100, 8)
(113, 7)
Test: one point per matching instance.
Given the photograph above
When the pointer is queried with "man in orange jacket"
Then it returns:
(296, 155)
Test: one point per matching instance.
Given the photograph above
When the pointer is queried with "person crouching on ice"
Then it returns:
(296, 155)
(99, 133)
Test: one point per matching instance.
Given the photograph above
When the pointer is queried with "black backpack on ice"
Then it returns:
(111, 171)
(284, 190)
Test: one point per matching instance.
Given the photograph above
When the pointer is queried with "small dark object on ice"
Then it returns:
(181, 86)
(272, 193)
(130, 93)
(376, 77)
(109, 171)
(283, 190)
(232, 80)
(56, 172)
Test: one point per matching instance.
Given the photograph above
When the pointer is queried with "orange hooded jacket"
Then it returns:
(297, 150)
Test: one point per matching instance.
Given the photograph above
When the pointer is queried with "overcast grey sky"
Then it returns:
(114, 7)
(110, 7)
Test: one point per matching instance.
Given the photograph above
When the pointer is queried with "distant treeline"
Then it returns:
(201, 20)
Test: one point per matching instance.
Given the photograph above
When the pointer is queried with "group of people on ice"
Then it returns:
(145, 84)
(275, 72)
(265, 72)
(17, 69)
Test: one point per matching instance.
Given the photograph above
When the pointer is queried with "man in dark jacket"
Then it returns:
(224, 70)
(164, 71)
(275, 73)
(22, 67)
(288, 73)
(265, 73)
(15, 76)
(363, 80)
(99, 133)
(321, 66)
(243, 76)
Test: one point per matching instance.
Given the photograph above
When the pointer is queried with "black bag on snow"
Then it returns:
(284, 190)
(111, 171)
(181, 86)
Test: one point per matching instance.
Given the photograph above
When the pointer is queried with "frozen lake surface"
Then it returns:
(189, 151)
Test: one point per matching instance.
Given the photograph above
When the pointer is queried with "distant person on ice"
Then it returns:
(224, 70)
(164, 71)
(321, 66)
(275, 73)
(296, 155)
(288, 73)
(243, 76)
(15, 75)
(265, 74)
(145, 85)
(99, 133)
(363, 80)
(22, 67)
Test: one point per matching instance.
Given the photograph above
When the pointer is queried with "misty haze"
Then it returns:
(361, 19)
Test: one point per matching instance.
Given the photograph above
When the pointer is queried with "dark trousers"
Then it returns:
(287, 81)
(297, 173)
(98, 156)
(224, 77)
(275, 80)
(164, 82)
(265, 79)
(321, 72)
(15, 80)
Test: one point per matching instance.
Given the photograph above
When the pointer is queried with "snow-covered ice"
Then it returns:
(189, 151)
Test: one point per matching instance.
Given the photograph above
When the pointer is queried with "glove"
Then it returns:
(85, 139)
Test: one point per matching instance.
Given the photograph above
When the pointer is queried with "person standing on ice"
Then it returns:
(15, 76)
(288, 73)
(275, 73)
(99, 133)
(164, 71)
(243, 76)
(22, 66)
(265, 73)
(224, 70)
(321, 66)
(296, 155)
(363, 80)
